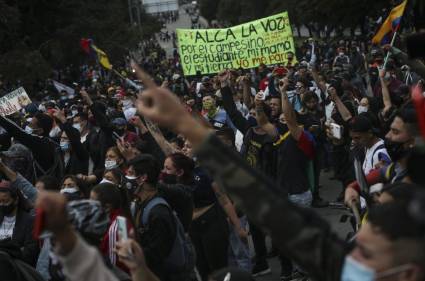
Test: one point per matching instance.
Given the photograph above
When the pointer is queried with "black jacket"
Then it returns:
(44, 150)
(22, 236)
(78, 162)
(99, 141)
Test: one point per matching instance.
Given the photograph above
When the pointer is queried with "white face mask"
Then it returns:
(69, 190)
(131, 177)
(106, 181)
(361, 109)
(110, 164)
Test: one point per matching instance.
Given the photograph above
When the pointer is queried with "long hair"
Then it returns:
(184, 163)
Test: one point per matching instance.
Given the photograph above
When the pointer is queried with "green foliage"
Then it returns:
(47, 33)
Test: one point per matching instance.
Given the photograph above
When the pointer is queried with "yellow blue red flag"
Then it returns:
(390, 25)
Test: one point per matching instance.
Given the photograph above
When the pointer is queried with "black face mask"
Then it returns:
(252, 121)
(120, 132)
(7, 209)
(283, 128)
(168, 178)
(396, 150)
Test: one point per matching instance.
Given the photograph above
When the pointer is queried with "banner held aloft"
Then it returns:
(264, 41)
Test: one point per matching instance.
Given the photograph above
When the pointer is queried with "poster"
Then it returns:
(14, 101)
(264, 41)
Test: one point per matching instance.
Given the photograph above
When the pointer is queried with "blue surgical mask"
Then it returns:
(29, 130)
(355, 271)
(64, 145)
(77, 126)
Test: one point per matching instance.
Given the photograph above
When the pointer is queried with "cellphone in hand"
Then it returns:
(122, 228)
(336, 131)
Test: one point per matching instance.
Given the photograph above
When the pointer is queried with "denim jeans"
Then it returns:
(238, 250)
(302, 199)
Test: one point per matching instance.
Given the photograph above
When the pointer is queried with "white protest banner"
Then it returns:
(14, 101)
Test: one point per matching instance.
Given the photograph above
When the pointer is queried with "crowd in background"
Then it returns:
(197, 165)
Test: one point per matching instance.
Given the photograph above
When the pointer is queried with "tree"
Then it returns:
(47, 32)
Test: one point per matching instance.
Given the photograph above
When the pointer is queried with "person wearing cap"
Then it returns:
(120, 127)
(364, 135)
(16, 222)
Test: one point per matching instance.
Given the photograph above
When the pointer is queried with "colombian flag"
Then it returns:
(390, 25)
(91, 49)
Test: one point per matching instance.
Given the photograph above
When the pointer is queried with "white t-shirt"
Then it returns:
(373, 156)
(7, 226)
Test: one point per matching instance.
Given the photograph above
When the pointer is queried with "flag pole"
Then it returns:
(389, 51)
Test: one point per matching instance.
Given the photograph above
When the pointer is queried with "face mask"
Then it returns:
(77, 126)
(120, 132)
(29, 130)
(361, 109)
(69, 190)
(131, 178)
(341, 54)
(42, 108)
(106, 181)
(110, 164)
(252, 121)
(355, 271)
(396, 150)
(64, 145)
(168, 178)
(7, 209)
(208, 105)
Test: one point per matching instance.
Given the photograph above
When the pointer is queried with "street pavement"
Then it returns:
(329, 191)
(184, 21)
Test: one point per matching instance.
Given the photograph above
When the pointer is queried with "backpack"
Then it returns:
(56, 170)
(181, 257)
(17, 270)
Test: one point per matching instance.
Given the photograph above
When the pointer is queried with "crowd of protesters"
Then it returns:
(197, 165)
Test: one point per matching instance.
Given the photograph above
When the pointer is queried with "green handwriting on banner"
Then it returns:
(265, 41)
